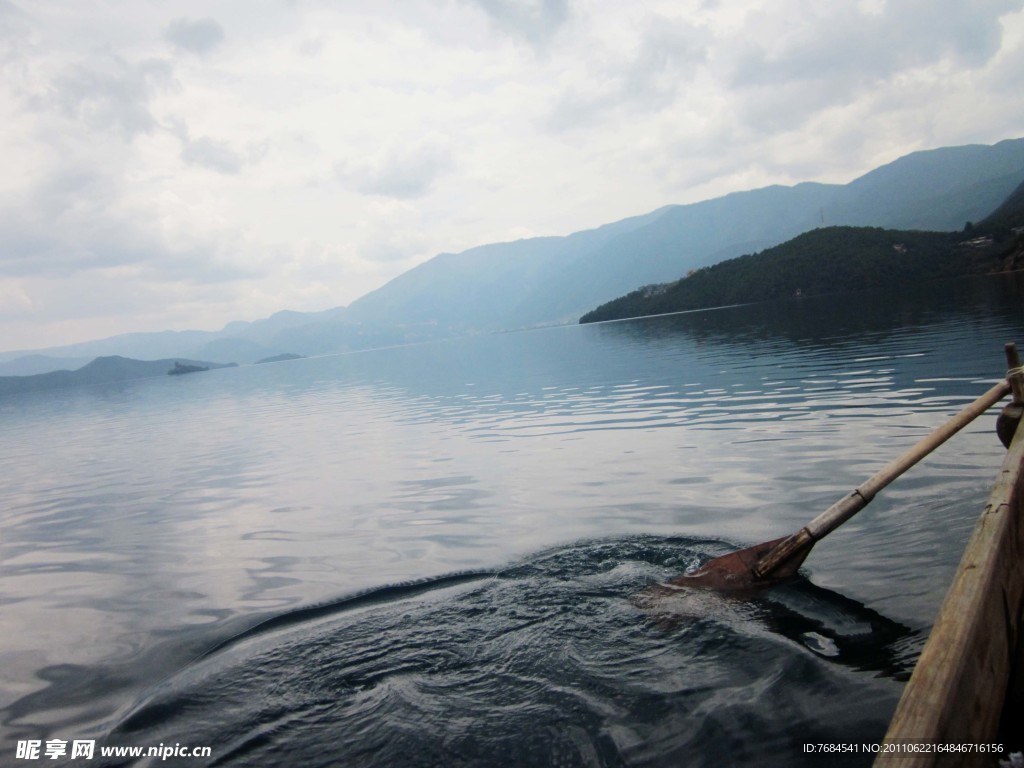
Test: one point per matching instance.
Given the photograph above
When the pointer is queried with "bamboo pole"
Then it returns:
(859, 498)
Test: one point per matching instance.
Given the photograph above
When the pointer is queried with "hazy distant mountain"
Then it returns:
(489, 287)
(556, 279)
(937, 190)
(28, 365)
(544, 280)
(239, 342)
(163, 344)
(102, 370)
(306, 333)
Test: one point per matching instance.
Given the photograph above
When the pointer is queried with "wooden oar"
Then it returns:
(778, 559)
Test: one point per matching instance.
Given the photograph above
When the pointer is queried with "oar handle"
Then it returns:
(859, 498)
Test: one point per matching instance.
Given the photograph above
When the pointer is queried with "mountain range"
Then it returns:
(551, 280)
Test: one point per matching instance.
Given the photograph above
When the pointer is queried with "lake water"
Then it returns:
(427, 555)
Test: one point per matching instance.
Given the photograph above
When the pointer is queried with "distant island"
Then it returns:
(837, 259)
(280, 358)
(180, 369)
(104, 370)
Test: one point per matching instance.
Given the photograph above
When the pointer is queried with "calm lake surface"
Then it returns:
(427, 555)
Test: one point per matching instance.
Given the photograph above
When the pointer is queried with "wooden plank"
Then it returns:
(957, 691)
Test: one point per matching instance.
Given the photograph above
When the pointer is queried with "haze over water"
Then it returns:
(557, 473)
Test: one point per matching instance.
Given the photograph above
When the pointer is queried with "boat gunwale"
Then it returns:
(957, 692)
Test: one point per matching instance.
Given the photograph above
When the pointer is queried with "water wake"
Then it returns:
(548, 662)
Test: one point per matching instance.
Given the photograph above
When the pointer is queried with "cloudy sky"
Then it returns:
(170, 164)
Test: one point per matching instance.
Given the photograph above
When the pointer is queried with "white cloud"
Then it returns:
(657, 65)
(14, 300)
(212, 154)
(533, 20)
(194, 35)
(402, 171)
(108, 93)
(15, 32)
(874, 47)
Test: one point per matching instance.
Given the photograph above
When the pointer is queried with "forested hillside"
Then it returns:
(826, 260)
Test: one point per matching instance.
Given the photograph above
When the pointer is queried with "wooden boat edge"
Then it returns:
(957, 691)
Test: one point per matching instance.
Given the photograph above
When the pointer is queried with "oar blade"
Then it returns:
(735, 571)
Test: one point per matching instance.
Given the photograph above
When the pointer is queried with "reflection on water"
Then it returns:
(145, 524)
(831, 625)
